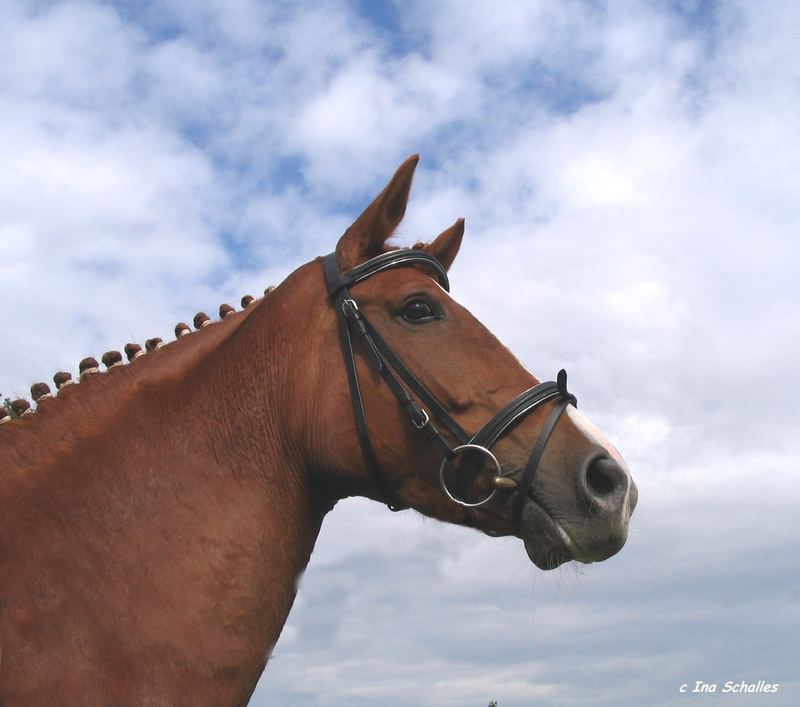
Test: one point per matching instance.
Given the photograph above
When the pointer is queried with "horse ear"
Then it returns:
(445, 247)
(366, 237)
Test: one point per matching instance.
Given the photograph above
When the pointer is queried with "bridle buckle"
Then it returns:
(425, 420)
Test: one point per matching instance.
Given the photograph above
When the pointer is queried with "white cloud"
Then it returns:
(372, 111)
(629, 182)
(77, 54)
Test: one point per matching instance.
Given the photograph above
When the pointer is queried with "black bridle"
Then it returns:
(352, 323)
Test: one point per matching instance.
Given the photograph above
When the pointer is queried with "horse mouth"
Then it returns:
(547, 543)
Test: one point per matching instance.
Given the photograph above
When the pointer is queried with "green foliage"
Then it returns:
(493, 703)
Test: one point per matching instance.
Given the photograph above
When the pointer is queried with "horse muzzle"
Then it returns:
(589, 525)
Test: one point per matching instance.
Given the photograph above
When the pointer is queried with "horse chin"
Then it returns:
(550, 542)
(547, 543)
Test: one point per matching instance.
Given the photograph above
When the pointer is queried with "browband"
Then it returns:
(385, 261)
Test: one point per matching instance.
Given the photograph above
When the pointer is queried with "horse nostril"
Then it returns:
(604, 480)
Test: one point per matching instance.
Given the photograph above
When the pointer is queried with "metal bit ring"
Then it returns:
(456, 452)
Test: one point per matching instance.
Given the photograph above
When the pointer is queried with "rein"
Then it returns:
(353, 324)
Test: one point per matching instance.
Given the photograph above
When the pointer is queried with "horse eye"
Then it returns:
(418, 310)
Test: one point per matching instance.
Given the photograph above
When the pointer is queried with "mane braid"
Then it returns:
(111, 359)
(89, 366)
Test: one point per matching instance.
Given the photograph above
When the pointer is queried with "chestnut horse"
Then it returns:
(154, 519)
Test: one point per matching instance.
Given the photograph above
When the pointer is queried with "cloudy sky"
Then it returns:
(628, 172)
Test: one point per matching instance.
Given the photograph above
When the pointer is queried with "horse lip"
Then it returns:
(569, 546)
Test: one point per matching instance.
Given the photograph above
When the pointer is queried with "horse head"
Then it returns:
(415, 403)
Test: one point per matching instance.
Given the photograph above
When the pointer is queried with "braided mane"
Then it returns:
(20, 410)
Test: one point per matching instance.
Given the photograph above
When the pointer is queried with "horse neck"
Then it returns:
(179, 493)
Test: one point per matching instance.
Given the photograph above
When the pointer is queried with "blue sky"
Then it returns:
(628, 174)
